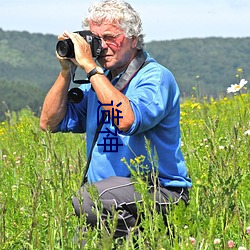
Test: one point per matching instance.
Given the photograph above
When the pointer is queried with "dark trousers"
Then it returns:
(119, 194)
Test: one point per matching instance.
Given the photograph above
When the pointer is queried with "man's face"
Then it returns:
(118, 50)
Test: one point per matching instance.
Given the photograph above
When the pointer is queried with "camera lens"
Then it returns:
(65, 48)
(75, 95)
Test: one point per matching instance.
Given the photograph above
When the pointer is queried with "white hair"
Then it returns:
(120, 13)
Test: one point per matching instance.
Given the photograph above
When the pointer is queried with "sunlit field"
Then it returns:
(40, 172)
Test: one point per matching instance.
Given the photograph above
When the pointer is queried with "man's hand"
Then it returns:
(83, 54)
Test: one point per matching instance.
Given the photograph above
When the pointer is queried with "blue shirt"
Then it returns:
(154, 97)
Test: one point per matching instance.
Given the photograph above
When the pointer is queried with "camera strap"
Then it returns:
(136, 64)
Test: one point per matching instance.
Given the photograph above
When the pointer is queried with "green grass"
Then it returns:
(40, 172)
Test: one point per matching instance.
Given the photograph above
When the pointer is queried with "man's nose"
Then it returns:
(104, 44)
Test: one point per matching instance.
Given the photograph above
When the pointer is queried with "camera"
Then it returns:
(65, 48)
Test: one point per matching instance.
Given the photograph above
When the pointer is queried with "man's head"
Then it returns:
(120, 29)
(119, 13)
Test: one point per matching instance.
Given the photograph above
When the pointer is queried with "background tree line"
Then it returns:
(203, 67)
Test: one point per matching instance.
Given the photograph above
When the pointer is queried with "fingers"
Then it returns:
(67, 35)
(75, 37)
(63, 36)
(71, 35)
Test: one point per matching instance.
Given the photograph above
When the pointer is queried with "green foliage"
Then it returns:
(14, 95)
(28, 58)
(37, 181)
(202, 67)
(208, 62)
(40, 172)
(28, 68)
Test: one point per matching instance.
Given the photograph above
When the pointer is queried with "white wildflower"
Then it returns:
(217, 241)
(236, 87)
(247, 133)
(242, 248)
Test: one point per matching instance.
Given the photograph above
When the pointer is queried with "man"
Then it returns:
(141, 98)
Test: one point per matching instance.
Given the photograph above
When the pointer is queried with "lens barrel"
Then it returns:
(65, 48)
(75, 95)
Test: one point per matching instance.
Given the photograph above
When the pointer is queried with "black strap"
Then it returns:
(136, 64)
(84, 180)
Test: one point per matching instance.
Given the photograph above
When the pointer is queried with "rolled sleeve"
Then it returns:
(74, 120)
(75, 117)
(152, 99)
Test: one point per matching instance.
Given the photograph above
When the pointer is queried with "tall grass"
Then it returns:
(40, 172)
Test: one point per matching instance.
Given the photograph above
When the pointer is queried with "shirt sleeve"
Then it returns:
(152, 98)
(75, 117)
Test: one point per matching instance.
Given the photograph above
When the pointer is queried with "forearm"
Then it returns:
(55, 103)
(106, 93)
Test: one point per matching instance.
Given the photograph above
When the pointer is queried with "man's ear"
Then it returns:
(134, 42)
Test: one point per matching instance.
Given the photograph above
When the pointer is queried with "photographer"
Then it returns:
(141, 98)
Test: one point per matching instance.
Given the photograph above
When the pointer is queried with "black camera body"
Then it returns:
(65, 48)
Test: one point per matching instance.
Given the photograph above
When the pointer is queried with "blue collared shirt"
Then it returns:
(154, 97)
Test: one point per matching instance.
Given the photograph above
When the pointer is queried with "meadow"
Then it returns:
(40, 172)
